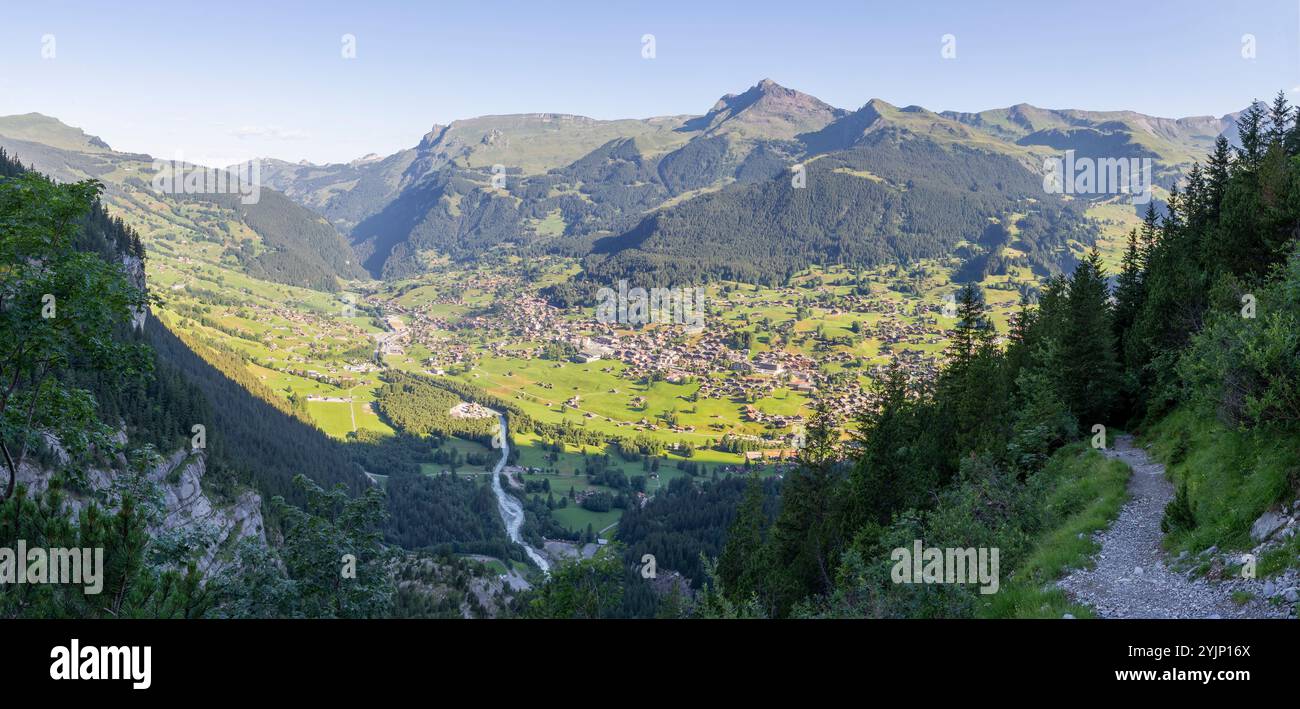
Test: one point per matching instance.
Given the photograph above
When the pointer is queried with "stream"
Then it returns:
(512, 510)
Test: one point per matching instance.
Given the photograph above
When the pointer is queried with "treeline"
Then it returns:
(687, 523)
(298, 247)
(446, 513)
(250, 430)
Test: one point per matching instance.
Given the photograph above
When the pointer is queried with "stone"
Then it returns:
(1266, 525)
(1292, 595)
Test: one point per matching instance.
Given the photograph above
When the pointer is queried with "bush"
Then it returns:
(1180, 513)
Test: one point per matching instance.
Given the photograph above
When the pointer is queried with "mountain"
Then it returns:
(766, 111)
(1172, 143)
(722, 193)
(273, 238)
(880, 185)
(523, 144)
(670, 190)
(39, 128)
(663, 193)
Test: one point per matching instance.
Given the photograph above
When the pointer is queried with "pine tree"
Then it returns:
(1128, 291)
(973, 330)
(1088, 362)
(1281, 120)
(883, 480)
(805, 539)
(1252, 131)
(744, 565)
(1218, 168)
(973, 387)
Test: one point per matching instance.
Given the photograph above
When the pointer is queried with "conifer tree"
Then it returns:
(1088, 361)
(744, 565)
(805, 536)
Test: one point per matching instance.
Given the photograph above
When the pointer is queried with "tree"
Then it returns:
(1087, 356)
(333, 552)
(974, 330)
(884, 478)
(1252, 130)
(59, 310)
(805, 536)
(137, 578)
(1281, 120)
(972, 387)
(744, 566)
(586, 588)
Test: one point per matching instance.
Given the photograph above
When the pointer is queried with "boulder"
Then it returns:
(1267, 524)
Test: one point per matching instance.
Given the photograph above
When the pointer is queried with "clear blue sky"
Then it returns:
(234, 79)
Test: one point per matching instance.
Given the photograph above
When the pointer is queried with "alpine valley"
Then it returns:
(904, 332)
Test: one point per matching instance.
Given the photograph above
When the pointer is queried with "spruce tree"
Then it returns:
(744, 565)
(805, 536)
(1252, 131)
(1088, 362)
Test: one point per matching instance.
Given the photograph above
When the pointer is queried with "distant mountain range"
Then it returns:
(679, 197)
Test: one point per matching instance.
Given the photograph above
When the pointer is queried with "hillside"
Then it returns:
(273, 238)
(677, 192)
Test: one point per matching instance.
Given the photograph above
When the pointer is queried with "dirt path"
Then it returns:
(1131, 579)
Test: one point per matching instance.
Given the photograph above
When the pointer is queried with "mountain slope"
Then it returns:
(1173, 144)
(672, 189)
(891, 196)
(274, 238)
(718, 184)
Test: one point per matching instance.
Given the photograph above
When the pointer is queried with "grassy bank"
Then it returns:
(1083, 493)
(1232, 477)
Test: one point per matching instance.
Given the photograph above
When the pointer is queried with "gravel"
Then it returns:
(1131, 578)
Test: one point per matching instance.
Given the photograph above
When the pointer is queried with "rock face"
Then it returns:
(1267, 524)
(186, 507)
(135, 273)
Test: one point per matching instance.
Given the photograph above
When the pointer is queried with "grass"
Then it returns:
(331, 417)
(1232, 478)
(1086, 492)
(576, 519)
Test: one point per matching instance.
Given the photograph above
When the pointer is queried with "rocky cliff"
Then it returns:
(185, 506)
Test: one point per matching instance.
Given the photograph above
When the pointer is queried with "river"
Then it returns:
(512, 510)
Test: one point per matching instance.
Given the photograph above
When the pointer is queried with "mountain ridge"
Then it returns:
(570, 184)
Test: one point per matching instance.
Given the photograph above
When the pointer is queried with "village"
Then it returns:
(820, 369)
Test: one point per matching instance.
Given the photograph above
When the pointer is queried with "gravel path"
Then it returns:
(1131, 579)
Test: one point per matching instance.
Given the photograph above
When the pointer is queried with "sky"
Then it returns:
(216, 83)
